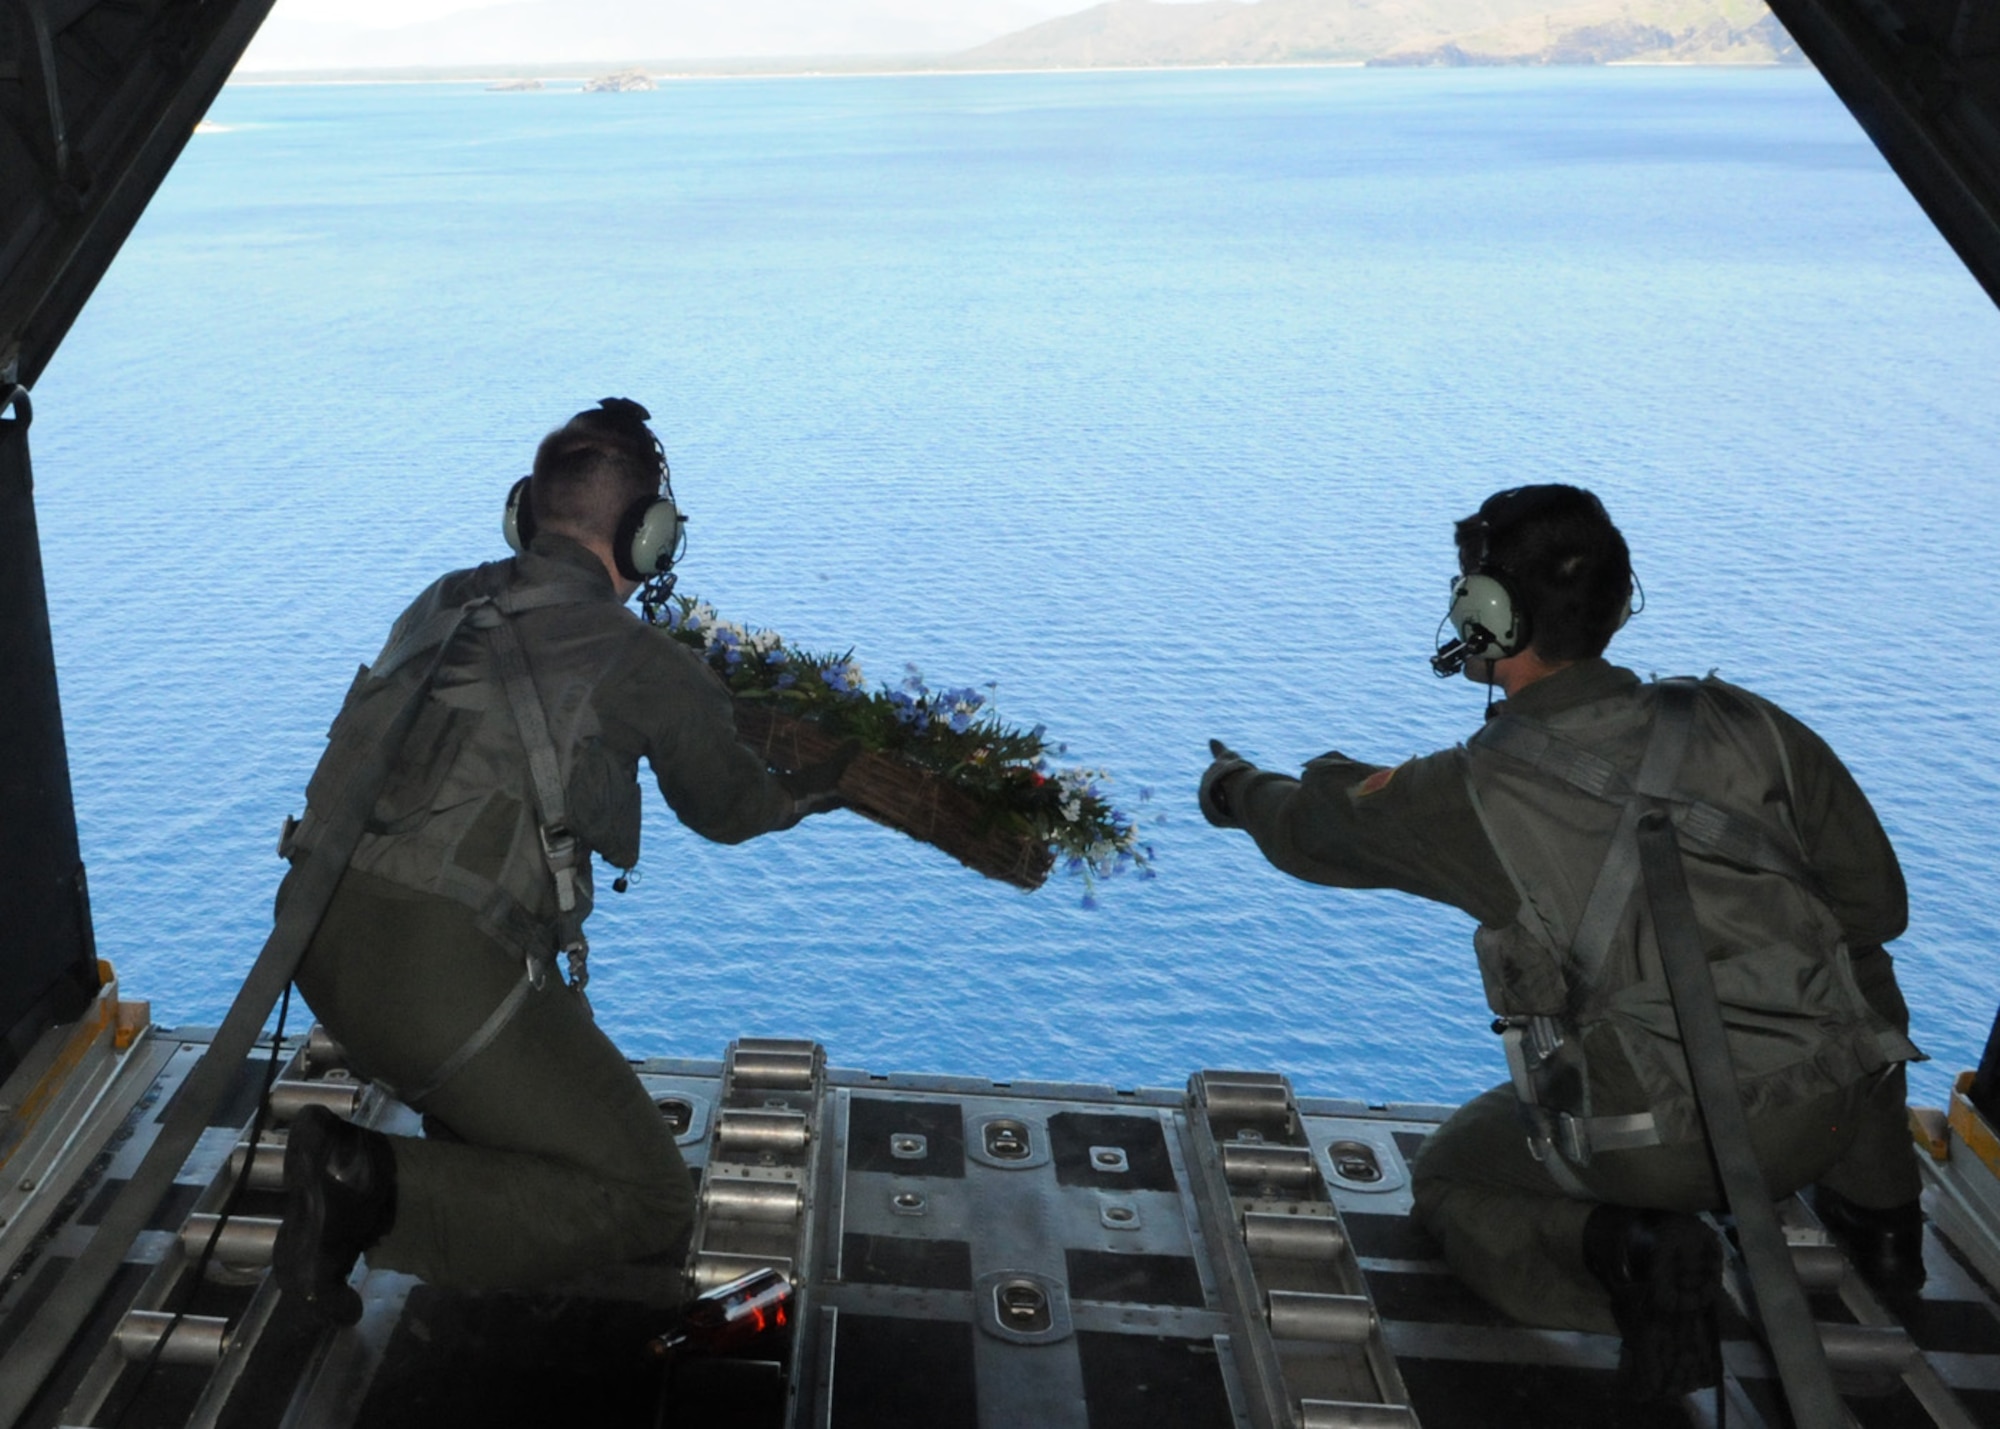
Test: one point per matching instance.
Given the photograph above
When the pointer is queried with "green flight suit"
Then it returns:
(558, 1162)
(1505, 1225)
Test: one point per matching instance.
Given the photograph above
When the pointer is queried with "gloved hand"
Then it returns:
(816, 788)
(1224, 776)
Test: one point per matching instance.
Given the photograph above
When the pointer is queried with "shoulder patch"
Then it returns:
(1375, 783)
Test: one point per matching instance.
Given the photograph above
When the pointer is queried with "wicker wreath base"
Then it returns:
(902, 795)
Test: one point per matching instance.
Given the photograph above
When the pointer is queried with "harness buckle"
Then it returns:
(559, 848)
(1573, 1137)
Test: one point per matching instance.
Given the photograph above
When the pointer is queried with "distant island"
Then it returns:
(1147, 34)
(625, 81)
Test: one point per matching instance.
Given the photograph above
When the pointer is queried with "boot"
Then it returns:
(1663, 1270)
(1886, 1247)
(340, 1199)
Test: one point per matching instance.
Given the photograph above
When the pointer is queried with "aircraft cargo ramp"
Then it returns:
(966, 1252)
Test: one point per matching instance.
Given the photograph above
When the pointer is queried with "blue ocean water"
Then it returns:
(1150, 397)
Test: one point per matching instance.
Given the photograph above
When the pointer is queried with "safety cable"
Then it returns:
(193, 1279)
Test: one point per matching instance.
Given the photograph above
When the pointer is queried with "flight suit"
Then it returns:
(1510, 1223)
(552, 1159)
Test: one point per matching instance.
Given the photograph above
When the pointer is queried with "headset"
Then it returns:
(1487, 619)
(651, 534)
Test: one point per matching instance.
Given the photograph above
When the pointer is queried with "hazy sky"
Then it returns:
(385, 13)
(309, 34)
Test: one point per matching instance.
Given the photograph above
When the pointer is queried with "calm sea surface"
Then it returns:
(1149, 396)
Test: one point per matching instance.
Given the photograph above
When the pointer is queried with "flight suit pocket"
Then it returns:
(604, 806)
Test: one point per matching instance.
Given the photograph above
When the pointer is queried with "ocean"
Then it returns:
(1148, 396)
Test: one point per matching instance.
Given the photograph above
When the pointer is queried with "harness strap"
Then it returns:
(534, 976)
(1781, 1302)
(1704, 829)
(427, 633)
(1549, 753)
(561, 849)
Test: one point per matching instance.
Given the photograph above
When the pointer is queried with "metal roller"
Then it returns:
(739, 1200)
(196, 1340)
(267, 1168)
(245, 1240)
(289, 1098)
(1820, 1267)
(1246, 1096)
(1262, 1163)
(717, 1267)
(1332, 1319)
(1868, 1347)
(773, 1063)
(1293, 1237)
(1330, 1414)
(323, 1054)
(783, 1132)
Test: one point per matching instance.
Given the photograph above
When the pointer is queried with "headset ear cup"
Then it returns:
(1486, 618)
(517, 523)
(649, 538)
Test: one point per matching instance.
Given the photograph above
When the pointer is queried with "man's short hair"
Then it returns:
(1558, 553)
(593, 467)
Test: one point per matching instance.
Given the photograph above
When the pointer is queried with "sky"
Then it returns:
(310, 34)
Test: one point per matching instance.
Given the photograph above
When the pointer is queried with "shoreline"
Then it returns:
(271, 79)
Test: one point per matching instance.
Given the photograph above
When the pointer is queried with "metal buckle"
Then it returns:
(1574, 1138)
(559, 847)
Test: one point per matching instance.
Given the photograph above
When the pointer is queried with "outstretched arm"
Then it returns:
(1357, 825)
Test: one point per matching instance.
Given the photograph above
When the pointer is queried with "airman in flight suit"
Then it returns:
(434, 966)
(1564, 1196)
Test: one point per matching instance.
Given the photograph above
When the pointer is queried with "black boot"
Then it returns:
(340, 1199)
(1886, 1247)
(1664, 1272)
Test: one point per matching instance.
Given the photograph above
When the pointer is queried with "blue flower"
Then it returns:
(786, 680)
(910, 710)
(843, 677)
(1090, 902)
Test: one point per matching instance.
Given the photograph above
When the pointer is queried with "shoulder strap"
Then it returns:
(1618, 876)
(1780, 1301)
(559, 845)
